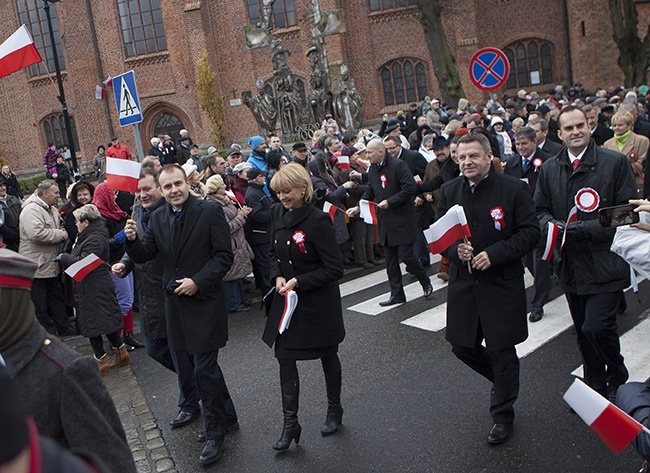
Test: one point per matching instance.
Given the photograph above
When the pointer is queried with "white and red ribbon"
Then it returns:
(499, 218)
(537, 162)
(384, 180)
(298, 238)
(551, 240)
(573, 216)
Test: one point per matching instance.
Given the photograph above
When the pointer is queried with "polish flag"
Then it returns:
(122, 174)
(573, 216)
(108, 82)
(83, 267)
(551, 239)
(417, 179)
(447, 230)
(99, 92)
(368, 211)
(18, 52)
(344, 162)
(330, 209)
(613, 426)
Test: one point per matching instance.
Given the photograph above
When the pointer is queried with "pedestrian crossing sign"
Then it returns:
(126, 99)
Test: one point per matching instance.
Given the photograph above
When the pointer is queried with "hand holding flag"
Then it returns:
(447, 230)
(368, 211)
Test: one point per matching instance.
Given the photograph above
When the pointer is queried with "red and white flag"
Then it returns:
(108, 82)
(330, 209)
(417, 179)
(573, 216)
(99, 92)
(613, 426)
(447, 230)
(551, 239)
(122, 174)
(344, 162)
(83, 267)
(17, 52)
(368, 211)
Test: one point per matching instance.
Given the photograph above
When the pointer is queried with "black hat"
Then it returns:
(114, 138)
(194, 146)
(253, 173)
(543, 109)
(185, 138)
(608, 109)
(391, 125)
(440, 142)
(299, 147)
(233, 152)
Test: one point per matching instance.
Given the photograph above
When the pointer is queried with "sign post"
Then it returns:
(128, 105)
(489, 68)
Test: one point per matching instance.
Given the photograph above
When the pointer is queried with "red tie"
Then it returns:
(576, 163)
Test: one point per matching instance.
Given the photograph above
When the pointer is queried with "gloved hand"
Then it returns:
(58, 258)
(120, 237)
(578, 231)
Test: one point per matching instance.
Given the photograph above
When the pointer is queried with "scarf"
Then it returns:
(16, 316)
(104, 199)
(622, 139)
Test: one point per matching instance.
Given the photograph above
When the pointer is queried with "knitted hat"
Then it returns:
(16, 271)
(348, 151)
(255, 141)
(213, 184)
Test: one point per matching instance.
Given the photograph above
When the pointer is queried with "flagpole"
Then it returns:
(469, 264)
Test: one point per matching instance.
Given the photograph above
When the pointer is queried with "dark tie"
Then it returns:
(525, 164)
(177, 228)
(576, 163)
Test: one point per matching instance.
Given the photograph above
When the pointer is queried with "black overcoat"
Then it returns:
(392, 180)
(317, 321)
(199, 323)
(496, 297)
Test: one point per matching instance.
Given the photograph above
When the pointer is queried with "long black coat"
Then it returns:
(496, 297)
(514, 168)
(258, 222)
(196, 324)
(397, 224)
(317, 321)
(98, 312)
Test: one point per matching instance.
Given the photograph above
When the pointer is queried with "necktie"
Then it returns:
(576, 163)
(177, 227)
(525, 164)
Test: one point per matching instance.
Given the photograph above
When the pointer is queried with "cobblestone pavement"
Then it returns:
(145, 438)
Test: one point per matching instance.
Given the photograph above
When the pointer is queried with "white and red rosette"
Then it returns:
(587, 199)
(537, 162)
(298, 238)
(499, 218)
(384, 180)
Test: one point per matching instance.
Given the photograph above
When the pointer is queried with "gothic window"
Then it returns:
(142, 26)
(55, 131)
(376, 5)
(168, 124)
(282, 16)
(531, 63)
(403, 81)
(34, 17)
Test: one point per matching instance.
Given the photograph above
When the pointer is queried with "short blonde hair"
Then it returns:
(624, 116)
(293, 176)
(87, 212)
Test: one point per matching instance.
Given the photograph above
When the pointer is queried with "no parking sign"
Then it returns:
(489, 68)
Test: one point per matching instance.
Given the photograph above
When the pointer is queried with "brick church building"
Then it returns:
(547, 42)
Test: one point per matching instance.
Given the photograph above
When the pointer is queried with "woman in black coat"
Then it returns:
(98, 312)
(304, 258)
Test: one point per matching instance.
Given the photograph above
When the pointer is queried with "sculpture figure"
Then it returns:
(263, 107)
(348, 106)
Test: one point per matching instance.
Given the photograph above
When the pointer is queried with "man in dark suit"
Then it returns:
(192, 239)
(525, 165)
(600, 133)
(392, 186)
(541, 130)
(488, 301)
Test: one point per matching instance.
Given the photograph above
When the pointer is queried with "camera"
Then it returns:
(617, 216)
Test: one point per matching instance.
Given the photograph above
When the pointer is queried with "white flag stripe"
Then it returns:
(587, 403)
(19, 39)
(122, 167)
(74, 268)
(454, 216)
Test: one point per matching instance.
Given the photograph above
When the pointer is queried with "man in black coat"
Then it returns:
(525, 165)
(600, 133)
(593, 278)
(541, 129)
(392, 187)
(192, 239)
(258, 228)
(9, 227)
(488, 301)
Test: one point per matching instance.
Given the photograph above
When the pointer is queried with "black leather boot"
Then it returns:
(334, 409)
(291, 429)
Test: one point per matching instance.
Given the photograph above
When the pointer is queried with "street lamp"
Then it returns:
(59, 81)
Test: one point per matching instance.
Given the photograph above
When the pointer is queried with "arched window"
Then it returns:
(55, 131)
(531, 63)
(31, 14)
(403, 81)
(142, 26)
(282, 16)
(168, 124)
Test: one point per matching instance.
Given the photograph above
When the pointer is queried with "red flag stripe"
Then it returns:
(122, 183)
(79, 270)
(551, 240)
(616, 428)
(451, 236)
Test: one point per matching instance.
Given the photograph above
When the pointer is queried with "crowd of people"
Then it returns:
(295, 217)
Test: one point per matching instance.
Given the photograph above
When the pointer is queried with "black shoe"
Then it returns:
(393, 301)
(500, 433)
(129, 347)
(428, 291)
(333, 421)
(536, 316)
(211, 452)
(229, 429)
(70, 332)
(130, 339)
(183, 418)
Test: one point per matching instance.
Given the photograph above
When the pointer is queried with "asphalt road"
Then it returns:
(410, 405)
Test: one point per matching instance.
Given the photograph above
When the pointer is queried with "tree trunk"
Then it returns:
(634, 53)
(444, 64)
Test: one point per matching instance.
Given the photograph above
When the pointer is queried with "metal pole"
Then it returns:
(138, 142)
(59, 80)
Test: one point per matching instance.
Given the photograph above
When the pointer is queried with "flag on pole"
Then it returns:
(573, 216)
(447, 230)
(551, 240)
(330, 209)
(122, 174)
(17, 52)
(108, 82)
(417, 179)
(611, 424)
(99, 92)
(83, 267)
(368, 211)
(344, 162)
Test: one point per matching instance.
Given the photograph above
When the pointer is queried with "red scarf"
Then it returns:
(104, 199)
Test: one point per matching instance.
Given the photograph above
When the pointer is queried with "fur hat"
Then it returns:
(213, 184)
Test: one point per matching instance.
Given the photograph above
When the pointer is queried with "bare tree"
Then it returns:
(634, 52)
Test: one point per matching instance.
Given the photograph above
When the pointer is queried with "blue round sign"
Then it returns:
(489, 68)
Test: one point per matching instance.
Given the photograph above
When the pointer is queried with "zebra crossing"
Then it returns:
(556, 321)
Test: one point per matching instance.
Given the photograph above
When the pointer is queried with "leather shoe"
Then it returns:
(428, 291)
(500, 433)
(183, 418)
(130, 339)
(536, 316)
(393, 301)
(211, 452)
(229, 428)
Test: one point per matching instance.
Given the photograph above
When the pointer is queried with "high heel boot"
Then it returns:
(334, 409)
(291, 429)
(122, 357)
